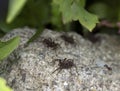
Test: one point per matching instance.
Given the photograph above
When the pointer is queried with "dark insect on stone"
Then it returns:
(64, 64)
(48, 42)
(109, 68)
(93, 38)
(68, 39)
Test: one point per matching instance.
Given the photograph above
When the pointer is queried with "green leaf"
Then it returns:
(36, 35)
(85, 18)
(67, 16)
(74, 10)
(57, 1)
(64, 7)
(7, 47)
(15, 6)
(81, 2)
(56, 16)
(3, 86)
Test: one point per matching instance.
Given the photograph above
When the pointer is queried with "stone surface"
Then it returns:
(29, 68)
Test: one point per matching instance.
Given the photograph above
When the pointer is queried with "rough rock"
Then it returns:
(30, 68)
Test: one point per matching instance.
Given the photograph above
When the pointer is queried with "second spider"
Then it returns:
(64, 64)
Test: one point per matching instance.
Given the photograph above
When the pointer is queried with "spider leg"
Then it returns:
(59, 71)
(56, 70)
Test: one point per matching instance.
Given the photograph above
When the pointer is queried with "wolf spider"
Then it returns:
(68, 39)
(64, 64)
(50, 43)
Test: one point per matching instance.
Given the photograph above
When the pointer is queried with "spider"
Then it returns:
(109, 68)
(64, 64)
(68, 39)
(50, 43)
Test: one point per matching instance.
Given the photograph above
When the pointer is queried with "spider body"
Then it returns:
(48, 42)
(68, 39)
(64, 64)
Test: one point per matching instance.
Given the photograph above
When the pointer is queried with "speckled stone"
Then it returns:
(29, 68)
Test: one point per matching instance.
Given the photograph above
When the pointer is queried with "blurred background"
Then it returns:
(42, 14)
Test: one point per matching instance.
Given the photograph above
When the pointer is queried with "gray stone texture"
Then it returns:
(29, 68)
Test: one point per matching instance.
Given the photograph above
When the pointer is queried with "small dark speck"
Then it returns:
(13, 82)
(87, 69)
(109, 68)
(23, 77)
